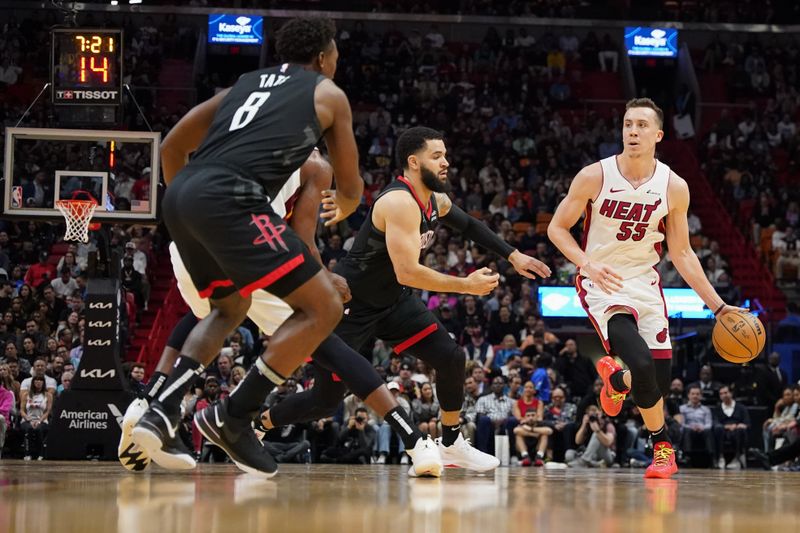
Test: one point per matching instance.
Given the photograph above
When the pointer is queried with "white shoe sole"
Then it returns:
(127, 449)
(471, 466)
(151, 444)
(243, 467)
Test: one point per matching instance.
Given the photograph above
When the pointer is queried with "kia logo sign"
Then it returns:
(100, 324)
(96, 342)
(100, 305)
(96, 373)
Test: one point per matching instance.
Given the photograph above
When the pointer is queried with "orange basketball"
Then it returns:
(738, 337)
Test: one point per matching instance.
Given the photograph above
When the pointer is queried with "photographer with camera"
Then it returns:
(601, 436)
(355, 442)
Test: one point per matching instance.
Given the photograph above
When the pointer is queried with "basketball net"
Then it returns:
(78, 214)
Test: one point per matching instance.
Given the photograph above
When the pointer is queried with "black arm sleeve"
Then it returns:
(477, 231)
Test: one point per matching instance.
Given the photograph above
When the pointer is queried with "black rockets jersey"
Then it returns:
(266, 126)
(368, 267)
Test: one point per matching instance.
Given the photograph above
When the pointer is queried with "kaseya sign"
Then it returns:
(235, 29)
(652, 42)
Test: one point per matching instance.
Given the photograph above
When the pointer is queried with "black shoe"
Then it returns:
(157, 434)
(762, 457)
(235, 436)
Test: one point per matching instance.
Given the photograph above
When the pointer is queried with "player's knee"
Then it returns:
(641, 363)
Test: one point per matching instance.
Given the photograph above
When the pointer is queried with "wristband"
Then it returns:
(720, 308)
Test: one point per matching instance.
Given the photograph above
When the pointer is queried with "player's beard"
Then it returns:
(431, 181)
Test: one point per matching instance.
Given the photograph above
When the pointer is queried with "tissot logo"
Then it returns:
(87, 95)
(96, 373)
(100, 305)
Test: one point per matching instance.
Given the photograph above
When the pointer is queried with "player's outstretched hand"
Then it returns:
(527, 266)
(603, 276)
(332, 214)
(341, 286)
(482, 282)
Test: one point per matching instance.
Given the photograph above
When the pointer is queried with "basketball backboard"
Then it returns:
(118, 169)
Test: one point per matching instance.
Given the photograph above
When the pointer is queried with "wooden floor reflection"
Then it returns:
(102, 497)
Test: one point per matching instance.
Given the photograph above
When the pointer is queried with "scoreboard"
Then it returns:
(86, 66)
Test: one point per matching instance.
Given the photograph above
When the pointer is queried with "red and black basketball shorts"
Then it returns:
(403, 325)
(229, 237)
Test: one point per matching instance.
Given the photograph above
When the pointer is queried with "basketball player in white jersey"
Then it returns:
(632, 201)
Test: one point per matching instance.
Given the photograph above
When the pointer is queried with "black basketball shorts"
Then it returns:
(229, 237)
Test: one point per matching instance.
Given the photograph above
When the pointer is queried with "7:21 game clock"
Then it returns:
(86, 66)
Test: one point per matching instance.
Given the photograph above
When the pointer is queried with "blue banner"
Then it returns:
(653, 42)
(563, 302)
(235, 29)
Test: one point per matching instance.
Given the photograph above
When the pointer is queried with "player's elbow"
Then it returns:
(405, 275)
(553, 231)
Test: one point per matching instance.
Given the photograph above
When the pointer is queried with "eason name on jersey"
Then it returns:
(87, 95)
(86, 419)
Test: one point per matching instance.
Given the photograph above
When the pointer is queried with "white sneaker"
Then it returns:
(131, 456)
(404, 459)
(425, 458)
(734, 465)
(381, 460)
(721, 463)
(464, 455)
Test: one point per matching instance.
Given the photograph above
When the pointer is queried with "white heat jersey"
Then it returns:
(266, 310)
(624, 226)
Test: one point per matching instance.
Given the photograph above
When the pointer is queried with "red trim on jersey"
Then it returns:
(661, 354)
(335, 377)
(661, 290)
(662, 227)
(582, 298)
(208, 291)
(587, 222)
(414, 339)
(426, 209)
(273, 276)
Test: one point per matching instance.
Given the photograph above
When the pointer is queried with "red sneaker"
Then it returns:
(663, 465)
(538, 462)
(525, 462)
(610, 399)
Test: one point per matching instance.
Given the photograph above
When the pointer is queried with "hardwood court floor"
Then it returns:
(85, 497)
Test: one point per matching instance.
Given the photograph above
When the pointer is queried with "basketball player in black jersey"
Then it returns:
(249, 139)
(381, 269)
(299, 200)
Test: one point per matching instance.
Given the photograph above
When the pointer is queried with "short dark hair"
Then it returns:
(362, 410)
(690, 389)
(301, 39)
(412, 141)
(646, 102)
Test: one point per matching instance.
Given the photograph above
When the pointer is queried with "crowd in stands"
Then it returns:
(774, 11)
(753, 155)
(514, 142)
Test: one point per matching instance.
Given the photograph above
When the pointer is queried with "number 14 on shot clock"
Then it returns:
(87, 66)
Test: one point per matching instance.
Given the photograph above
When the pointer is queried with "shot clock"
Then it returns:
(86, 66)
